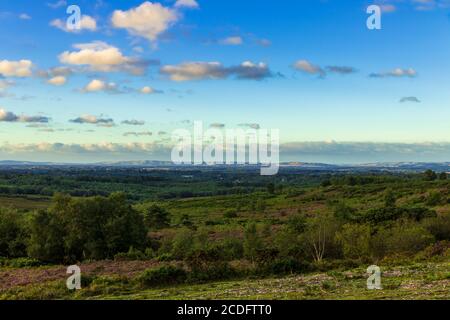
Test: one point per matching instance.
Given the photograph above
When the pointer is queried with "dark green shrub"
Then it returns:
(286, 265)
(131, 255)
(162, 276)
(230, 214)
(297, 223)
(86, 228)
(439, 227)
(403, 238)
(434, 198)
(20, 262)
(355, 240)
(156, 217)
(212, 272)
(13, 234)
(231, 249)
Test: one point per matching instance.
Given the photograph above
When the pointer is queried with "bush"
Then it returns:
(215, 271)
(403, 238)
(342, 211)
(13, 234)
(439, 227)
(297, 223)
(156, 217)
(182, 244)
(231, 249)
(165, 257)
(20, 263)
(286, 265)
(434, 198)
(88, 228)
(162, 276)
(355, 241)
(230, 214)
(131, 255)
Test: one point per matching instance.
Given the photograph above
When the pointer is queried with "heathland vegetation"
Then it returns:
(148, 233)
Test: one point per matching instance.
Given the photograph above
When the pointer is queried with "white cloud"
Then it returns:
(138, 134)
(24, 16)
(308, 67)
(57, 81)
(232, 41)
(57, 4)
(264, 42)
(134, 122)
(19, 69)
(95, 85)
(100, 85)
(215, 70)
(148, 20)
(194, 71)
(410, 99)
(100, 56)
(186, 4)
(91, 119)
(7, 116)
(86, 23)
(147, 90)
(397, 73)
(5, 84)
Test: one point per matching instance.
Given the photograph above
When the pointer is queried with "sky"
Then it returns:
(136, 71)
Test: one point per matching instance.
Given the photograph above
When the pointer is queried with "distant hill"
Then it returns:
(381, 166)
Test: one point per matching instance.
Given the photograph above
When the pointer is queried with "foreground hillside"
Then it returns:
(293, 236)
(112, 280)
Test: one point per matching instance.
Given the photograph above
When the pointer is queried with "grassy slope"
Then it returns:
(413, 281)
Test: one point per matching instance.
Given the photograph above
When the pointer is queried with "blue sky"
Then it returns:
(137, 70)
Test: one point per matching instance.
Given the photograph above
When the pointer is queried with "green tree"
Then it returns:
(252, 242)
(86, 228)
(355, 240)
(260, 205)
(46, 237)
(271, 188)
(297, 223)
(389, 199)
(13, 234)
(443, 176)
(156, 217)
(430, 175)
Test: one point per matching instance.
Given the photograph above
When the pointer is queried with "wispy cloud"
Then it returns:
(410, 99)
(7, 116)
(133, 122)
(396, 73)
(193, 4)
(91, 119)
(306, 66)
(138, 134)
(214, 70)
(57, 4)
(232, 41)
(87, 23)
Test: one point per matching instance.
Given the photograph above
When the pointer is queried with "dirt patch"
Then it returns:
(22, 277)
